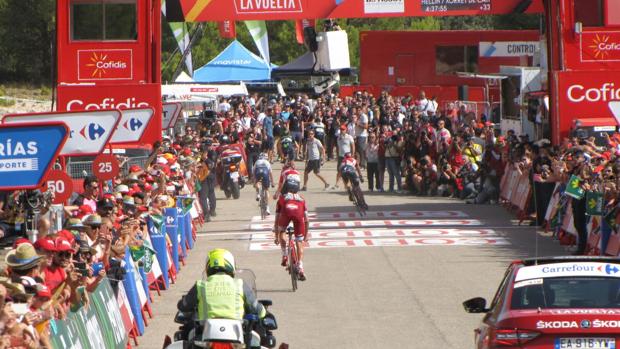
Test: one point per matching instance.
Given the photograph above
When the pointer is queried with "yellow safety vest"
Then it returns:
(220, 297)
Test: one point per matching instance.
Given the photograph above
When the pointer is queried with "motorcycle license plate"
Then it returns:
(234, 176)
(585, 343)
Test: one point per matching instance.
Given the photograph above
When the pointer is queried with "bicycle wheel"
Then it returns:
(358, 201)
(263, 204)
(292, 261)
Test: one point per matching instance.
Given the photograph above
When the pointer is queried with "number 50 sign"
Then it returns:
(60, 184)
(105, 167)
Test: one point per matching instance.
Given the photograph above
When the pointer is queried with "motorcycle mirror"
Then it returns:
(266, 302)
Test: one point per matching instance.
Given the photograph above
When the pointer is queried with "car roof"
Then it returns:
(562, 259)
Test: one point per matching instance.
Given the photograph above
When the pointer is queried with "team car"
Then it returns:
(553, 303)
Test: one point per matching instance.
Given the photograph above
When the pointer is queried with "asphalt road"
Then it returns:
(395, 279)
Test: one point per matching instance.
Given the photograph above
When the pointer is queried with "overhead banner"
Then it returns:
(27, 152)
(89, 131)
(508, 48)
(170, 114)
(132, 125)
(242, 10)
(200, 92)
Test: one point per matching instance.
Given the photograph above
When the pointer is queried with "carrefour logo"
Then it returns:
(133, 124)
(92, 131)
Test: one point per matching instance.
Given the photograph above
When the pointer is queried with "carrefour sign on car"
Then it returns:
(89, 131)
(568, 269)
(27, 151)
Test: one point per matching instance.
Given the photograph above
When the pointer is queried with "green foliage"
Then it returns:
(6, 102)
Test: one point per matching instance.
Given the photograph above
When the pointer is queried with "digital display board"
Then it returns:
(443, 6)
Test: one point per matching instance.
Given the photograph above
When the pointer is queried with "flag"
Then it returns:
(594, 203)
(187, 204)
(299, 29)
(158, 222)
(573, 189)
(258, 31)
(227, 29)
(144, 253)
(181, 34)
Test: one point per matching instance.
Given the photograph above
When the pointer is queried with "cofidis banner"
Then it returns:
(27, 151)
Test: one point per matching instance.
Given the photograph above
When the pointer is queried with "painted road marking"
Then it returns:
(379, 223)
(389, 242)
(377, 214)
(385, 233)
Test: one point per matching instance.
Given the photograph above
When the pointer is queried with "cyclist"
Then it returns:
(221, 295)
(287, 171)
(263, 177)
(287, 147)
(352, 175)
(291, 207)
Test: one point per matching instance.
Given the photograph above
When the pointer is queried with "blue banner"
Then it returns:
(158, 240)
(132, 292)
(27, 152)
(181, 232)
(170, 214)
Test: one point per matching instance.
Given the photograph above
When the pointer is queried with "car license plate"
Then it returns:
(585, 343)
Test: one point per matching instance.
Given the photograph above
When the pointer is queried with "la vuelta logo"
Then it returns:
(104, 64)
(601, 46)
(268, 6)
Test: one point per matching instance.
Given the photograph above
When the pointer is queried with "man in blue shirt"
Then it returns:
(268, 133)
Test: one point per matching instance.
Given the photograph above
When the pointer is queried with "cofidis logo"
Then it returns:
(600, 46)
(105, 64)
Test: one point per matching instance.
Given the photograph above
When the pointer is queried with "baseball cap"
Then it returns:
(63, 245)
(135, 168)
(45, 244)
(343, 127)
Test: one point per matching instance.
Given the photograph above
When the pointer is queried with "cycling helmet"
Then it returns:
(263, 156)
(220, 260)
(224, 139)
(293, 183)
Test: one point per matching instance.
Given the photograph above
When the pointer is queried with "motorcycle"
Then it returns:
(232, 181)
(249, 333)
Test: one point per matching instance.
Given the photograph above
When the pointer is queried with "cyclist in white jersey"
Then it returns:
(262, 176)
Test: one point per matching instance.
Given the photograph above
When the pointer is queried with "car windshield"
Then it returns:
(567, 292)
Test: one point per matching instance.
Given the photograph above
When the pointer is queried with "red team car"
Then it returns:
(553, 303)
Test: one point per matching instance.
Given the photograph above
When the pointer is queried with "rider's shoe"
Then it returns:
(257, 197)
(350, 197)
(267, 211)
(284, 262)
(302, 276)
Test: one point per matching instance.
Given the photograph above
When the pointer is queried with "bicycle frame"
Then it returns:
(291, 251)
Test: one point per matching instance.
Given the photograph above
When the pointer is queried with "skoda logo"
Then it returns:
(222, 329)
(586, 324)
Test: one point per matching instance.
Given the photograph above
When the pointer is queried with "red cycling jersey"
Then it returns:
(349, 162)
(292, 207)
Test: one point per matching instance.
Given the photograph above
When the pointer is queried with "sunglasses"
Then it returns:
(64, 254)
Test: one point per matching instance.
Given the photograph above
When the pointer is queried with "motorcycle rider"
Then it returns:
(352, 175)
(221, 295)
(262, 176)
(291, 207)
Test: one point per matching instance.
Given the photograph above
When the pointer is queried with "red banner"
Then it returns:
(227, 29)
(299, 28)
(600, 46)
(221, 10)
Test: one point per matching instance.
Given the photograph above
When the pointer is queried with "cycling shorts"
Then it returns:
(292, 211)
(349, 174)
(262, 175)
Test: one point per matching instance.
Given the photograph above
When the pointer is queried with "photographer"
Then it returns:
(394, 146)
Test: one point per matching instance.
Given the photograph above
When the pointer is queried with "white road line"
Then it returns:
(385, 233)
(390, 242)
(375, 215)
(379, 223)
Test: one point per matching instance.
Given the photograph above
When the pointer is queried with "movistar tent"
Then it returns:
(235, 63)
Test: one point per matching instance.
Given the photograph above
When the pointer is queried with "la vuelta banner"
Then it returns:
(241, 10)
(600, 46)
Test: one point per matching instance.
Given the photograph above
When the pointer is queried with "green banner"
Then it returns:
(573, 189)
(97, 326)
(594, 203)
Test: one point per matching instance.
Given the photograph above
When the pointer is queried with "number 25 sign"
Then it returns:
(105, 167)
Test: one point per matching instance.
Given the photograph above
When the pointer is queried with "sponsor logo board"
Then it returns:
(132, 125)
(105, 64)
(568, 269)
(389, 242)
(89, 131)
(600, 46)
(384, 6)
(170, 114)
(508, 48)
(268, 6)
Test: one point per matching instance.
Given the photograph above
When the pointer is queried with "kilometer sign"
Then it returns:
(27, 151)
(442, 6)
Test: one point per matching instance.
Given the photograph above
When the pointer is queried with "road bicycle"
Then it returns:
(263, 203)
(291, 252)
(356, 195)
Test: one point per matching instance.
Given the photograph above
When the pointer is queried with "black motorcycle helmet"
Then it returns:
(224, 139)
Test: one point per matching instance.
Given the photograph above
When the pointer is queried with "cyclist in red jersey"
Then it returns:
(291, 207)
(351, 176)
(287, 171)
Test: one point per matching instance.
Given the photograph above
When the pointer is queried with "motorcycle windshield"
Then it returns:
(248, 277)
